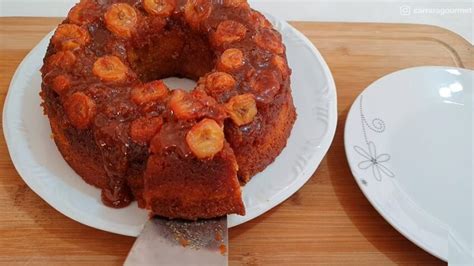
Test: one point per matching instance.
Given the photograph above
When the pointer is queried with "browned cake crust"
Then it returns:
(180, 154)
(256, 150)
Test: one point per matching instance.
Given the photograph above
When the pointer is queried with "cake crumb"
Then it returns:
(223, 249)
(218, 236)
(183, 242)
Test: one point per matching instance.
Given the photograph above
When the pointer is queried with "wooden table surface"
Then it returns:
(327, 222)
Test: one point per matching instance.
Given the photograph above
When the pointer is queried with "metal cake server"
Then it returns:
(176, 242)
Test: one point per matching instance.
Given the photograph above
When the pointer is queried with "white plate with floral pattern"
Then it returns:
(41, 166)
(408, 140)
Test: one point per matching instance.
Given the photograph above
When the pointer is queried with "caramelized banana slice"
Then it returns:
(82, 13)
(266, 86)
(236, 3)
(280, 63)
(219, 82)
(62, 59)
(110, 68)
(205, 139)
(149, 92)
(229, 31)
(61, 84)
(259, 20)
(121, 19)
(231, 59)
(242, 109)
(269, 39)
(162, 8)
(70, 37)
(143, 129)
(196, 11)
(80, 109)
(183, 105)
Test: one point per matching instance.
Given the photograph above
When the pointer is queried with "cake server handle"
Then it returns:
(176, 242)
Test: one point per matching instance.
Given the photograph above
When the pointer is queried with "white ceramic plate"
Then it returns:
(408, 140)
(41, 166)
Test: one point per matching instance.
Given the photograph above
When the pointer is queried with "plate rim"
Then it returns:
(385, 214)
(308, 171)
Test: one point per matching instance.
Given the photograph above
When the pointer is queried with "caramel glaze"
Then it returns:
(158, 48)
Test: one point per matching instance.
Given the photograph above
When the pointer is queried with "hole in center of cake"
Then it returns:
(180, 83)
(177, 55)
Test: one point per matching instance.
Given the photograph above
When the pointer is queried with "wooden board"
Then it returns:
(327, 222)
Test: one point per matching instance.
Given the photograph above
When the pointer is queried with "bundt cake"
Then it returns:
(179, 154)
